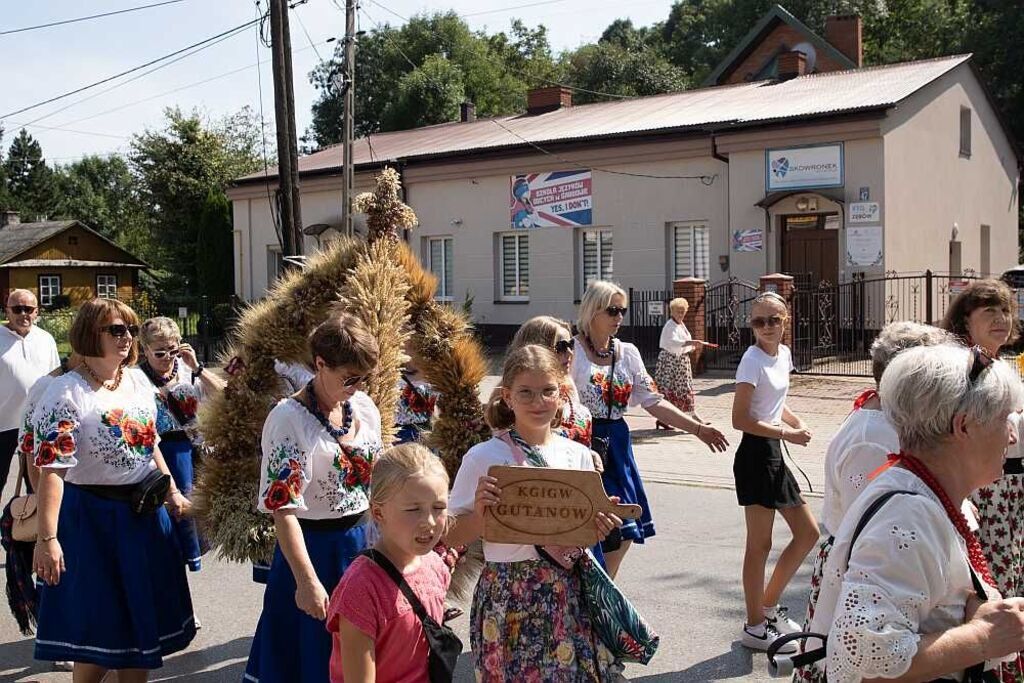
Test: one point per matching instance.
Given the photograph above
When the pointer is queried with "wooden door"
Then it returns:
(810, 248)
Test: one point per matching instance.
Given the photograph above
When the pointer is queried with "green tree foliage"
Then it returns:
(214, 255)
(5, 198)
(102, 193)
(427, 95)
(620, 66)
(177, 167)
(30, 181)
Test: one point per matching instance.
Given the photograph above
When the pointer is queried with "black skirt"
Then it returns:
(761, 475)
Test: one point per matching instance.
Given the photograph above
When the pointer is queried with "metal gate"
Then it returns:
(648, 312)
(726, 312)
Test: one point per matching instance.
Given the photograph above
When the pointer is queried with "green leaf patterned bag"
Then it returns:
(619, 626)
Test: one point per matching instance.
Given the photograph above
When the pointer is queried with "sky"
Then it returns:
(44, 63)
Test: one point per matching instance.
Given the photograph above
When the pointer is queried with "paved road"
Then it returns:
(685, 580)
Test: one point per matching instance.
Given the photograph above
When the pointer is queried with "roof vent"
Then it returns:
(543, 100)
(467, 111)
(9, 218)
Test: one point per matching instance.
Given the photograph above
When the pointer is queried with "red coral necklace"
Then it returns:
(109, 386)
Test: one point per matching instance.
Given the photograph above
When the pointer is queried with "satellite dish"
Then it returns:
(810, 52)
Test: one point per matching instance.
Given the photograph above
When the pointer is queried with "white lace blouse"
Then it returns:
(908, 575)
(631, 386)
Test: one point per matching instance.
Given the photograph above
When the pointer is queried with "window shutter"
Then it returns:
(448, 266)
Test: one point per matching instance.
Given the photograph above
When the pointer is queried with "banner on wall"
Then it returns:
(795, 168)
(562, 199)
(748, 240)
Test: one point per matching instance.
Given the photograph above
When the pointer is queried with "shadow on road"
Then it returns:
(739, 661)
(192, 665)
(21, 651)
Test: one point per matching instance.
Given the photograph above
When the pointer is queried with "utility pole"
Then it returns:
(348, 168)
(287, 140)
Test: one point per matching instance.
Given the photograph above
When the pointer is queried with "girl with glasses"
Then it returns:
(318, 447)
(764, 483)
(610, 376)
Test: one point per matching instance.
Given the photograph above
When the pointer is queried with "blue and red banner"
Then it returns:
(562, 199)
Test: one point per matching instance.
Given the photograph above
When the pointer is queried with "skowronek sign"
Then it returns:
(797, 168)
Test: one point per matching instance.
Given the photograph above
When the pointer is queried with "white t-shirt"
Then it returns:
(675, 338)
(770, 377)
(23, 360)
(559, 453)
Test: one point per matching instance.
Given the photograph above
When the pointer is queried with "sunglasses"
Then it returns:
(118, 331)
(352, 381)
(770, 321)
(171, 353)
(614, 311)
(980, 360)
(563, 346)
(23, 310)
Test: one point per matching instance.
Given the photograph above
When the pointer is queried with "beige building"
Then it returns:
(827, 175)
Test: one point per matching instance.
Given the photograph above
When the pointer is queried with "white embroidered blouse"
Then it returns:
(631, 386)
(908, 575)
(304, 468)
(186, 393)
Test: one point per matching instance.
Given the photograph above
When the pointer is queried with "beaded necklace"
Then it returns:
(974, 553)
(158, 380)
(109, 386)
(314, 408)
(601, 354)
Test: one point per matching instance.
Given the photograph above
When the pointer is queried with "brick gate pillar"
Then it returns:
(693, 290)
(783, 286)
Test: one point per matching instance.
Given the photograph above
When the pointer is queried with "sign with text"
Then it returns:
(794, 168)
(655, 308)
(865, 212)
(547, 506)
(748, 240)
(864, 246)
(562, 199)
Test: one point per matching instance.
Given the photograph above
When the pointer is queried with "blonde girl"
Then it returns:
(764, 483)
(377, 636)
(528, 621)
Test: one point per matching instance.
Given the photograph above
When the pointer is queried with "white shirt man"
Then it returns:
(26, 354)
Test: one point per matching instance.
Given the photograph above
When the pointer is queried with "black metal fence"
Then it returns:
(648, 312)
(726, 311)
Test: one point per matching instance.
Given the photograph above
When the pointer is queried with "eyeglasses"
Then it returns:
(563, 346)
(770, 321)
(165, 354)
(118, 331)
(353, 381)
(980, 360)
(547, 394)
(614, 311)
(23, 310)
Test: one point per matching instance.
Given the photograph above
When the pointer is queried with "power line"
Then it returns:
(15, 124)
(91, 16)
(513, 7)
(132, 70)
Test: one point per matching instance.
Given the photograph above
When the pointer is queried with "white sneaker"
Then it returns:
(778, 617)
(63, 666)
(764, 641)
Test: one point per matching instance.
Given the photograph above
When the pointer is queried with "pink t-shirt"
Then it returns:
(373, 603)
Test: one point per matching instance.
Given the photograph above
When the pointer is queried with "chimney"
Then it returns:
(543, 100)
(845, 33)
(791, 65)
(9, 218)
(467, 112)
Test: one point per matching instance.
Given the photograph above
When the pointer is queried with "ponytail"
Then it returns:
(497, 413)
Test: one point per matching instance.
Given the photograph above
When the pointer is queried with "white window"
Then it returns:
(965, 131)
(439, 254)
(596, 256)
(106, 286)
(515, 266)
(49, 288)
(275, 264)
(691, 253)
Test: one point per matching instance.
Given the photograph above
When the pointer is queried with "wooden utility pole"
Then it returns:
(287, 139)
(348, 167)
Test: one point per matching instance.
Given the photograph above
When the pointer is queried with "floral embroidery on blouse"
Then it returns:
(58, 443)
(619, 388)
(350, 472)
(415, 407)
(576, 423)
(26, 444)
(133, 437)
(286, 476)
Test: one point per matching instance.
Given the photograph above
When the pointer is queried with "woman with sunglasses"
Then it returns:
(764, 483)
(181, 382)
(610, 376)
(318, 447)
(115, 593)
(985, 314)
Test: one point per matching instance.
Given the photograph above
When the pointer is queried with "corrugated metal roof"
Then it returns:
(67, 263)
(18, 237)
(809, 96)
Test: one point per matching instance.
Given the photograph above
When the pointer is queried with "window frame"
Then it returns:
(517, 235)
(694, 260)
(581, 255)
(966, 124)
(278, 253)
(39, 283)
(443, 293)
(106, 285)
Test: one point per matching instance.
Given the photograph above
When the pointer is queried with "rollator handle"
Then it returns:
(783, 665)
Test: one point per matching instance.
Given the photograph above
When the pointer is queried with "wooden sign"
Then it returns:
(546, 506)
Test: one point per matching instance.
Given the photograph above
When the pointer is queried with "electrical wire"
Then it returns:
(513, 7)
(92, 16)
(15, 124)
(274, 217)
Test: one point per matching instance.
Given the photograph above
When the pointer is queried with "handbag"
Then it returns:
(149, 494)
(445, 646)
(25, 526)
(599, 443)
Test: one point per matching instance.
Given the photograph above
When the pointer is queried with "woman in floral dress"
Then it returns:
(416, 403)
(610, 376)
(318, 448)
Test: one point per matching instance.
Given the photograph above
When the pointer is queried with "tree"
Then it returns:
(177, 167)
(29, 179)
(103, 193)
(429, 94)
(214, 257)
(6, 203)
(607, 67)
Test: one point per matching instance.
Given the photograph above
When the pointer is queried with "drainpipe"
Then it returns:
(728, 185)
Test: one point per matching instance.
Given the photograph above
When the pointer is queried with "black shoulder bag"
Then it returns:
(445, 646)
(597, 443)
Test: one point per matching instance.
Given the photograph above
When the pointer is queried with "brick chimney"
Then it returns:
(791, 65)
(9, 218)
(544, 100)
(845, 32)
(467, 111)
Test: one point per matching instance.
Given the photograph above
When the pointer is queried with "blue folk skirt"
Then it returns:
(123, 602)
(178, 455)
(622, 477)
(290, 646)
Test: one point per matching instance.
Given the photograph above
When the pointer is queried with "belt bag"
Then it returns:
(149, 494)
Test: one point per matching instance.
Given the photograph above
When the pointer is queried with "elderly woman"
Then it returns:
(318, 447)
(610, 376)
(860, 447)
(115, 593)
(181, 382)
(674, 373)
(907, 593)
